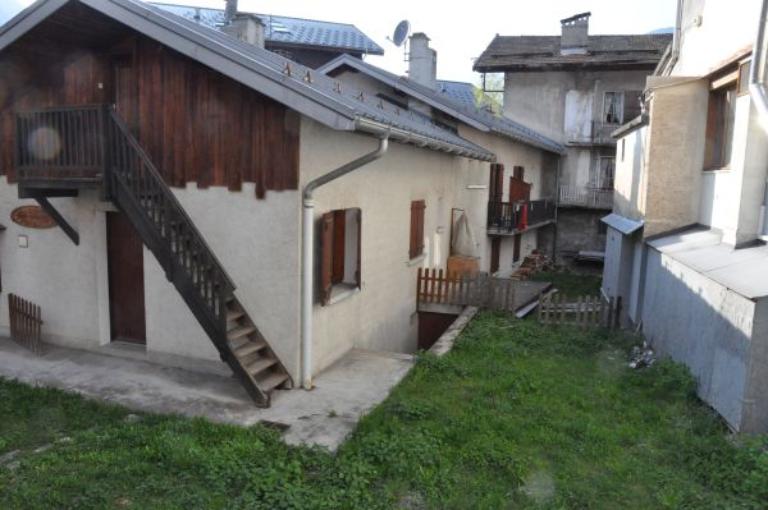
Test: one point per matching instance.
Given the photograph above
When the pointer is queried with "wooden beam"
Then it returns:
(60, 220)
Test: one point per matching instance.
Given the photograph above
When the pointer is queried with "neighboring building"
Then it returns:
(198, 215)
(576, 89)
(517, 201)
(309, 42)
(686, 240)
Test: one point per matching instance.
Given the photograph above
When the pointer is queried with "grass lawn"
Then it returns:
(517, 416)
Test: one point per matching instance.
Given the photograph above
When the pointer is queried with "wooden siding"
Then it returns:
(196, 124)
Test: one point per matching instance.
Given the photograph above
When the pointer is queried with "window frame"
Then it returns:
(619, 100)
(720, 123)
(334, 241)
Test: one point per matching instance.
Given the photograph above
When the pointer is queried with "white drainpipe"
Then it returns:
(757, 92)
(308, 250)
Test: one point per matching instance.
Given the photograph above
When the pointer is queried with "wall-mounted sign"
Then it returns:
(32, 216)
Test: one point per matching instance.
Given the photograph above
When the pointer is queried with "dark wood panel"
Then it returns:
(196, 124)
(432, 326)
(125, 255)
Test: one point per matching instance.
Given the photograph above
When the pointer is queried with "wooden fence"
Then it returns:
(584, 312)
(436, 286)
(26, 323)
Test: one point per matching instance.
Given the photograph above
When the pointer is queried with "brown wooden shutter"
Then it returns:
(518, 172)
(358, 271)
(326, 257)
(417, 228)
(339, 245)
(496, 185)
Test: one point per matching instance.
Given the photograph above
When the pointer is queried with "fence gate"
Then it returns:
(26, 323)
(584, 312)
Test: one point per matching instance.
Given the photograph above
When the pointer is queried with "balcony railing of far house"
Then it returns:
(513, 218)
(591, 198)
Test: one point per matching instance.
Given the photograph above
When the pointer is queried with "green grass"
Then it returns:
(517, 416)
(571, 284)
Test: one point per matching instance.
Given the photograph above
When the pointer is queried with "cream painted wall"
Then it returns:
(69, 282)
(382, 316)
(631, 172)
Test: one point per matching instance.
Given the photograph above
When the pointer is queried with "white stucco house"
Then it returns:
(218, 202)
(521, 180)
(686, 240)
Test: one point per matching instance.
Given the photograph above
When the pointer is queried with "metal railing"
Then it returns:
(61, 144)
(593, 198)
(519, 216)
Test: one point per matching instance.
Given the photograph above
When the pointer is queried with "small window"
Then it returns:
(417, 229)
(612, 108)
(340, 236)
(623, 148)
(605, 173)
(518, 172)
(721, 114)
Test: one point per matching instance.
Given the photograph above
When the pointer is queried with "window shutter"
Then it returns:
(519, 172)
(496, 187)
(417, 228)
(339, 245)
(358, 272)
(632, 107)
(326, 257)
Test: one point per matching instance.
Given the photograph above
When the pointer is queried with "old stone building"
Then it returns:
(576, 88)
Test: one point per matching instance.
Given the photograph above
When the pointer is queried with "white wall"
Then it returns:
(382, 316)
(69, 282)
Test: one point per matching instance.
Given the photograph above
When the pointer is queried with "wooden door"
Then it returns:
(516, 250)
(495, 253)
(125, 259)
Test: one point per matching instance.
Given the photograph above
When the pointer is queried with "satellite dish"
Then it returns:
(401, 32)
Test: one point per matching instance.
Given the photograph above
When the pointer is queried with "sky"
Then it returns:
(458, 34)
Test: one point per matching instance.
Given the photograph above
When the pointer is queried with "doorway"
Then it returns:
(125, 266)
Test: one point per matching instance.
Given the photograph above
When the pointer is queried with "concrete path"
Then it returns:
(325, 416)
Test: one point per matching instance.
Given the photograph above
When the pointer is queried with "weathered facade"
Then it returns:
(178, 160)
(523, 175)
(576, 88)
(686, 239)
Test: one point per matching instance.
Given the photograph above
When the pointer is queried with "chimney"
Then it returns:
(575, 38)
(246, 27)
(230, 10)
(422, 65)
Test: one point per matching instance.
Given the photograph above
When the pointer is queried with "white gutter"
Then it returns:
(308, 247)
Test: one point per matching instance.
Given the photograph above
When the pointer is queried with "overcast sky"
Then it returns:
(460, 35)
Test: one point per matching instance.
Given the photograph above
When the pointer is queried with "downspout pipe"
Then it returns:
(757, 92)
(308, 249)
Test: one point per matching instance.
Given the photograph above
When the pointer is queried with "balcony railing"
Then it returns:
(519, 216)
(592, 198)
(61, 145)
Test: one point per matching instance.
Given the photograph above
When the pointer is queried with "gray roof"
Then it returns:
(478, 118)
(290, 31)
(459, 92)
(306, 91)
(624, 225)
(744, 271)
(535, 52)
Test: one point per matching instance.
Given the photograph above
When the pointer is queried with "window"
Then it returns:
(417, 229)
(720, 116)
(518, 172)
(605, 172)
(621, 107)
(340, 236)
(612, 113)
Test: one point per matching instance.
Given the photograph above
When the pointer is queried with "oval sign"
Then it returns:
(32, 216)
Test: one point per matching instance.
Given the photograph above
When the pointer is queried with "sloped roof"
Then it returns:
(624, 225)
(289, 31)
(306, 91)
(459, 92)
(478, 118)
(535, 52)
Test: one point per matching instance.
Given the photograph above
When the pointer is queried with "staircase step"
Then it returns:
(249, 348)
(273, 381)
(260, 365)
(240, 332)
(233, 315)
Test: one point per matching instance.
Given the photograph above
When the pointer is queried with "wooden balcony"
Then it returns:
(505, 218)
(61, 148)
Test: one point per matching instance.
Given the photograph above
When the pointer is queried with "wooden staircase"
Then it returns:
(135, 186)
